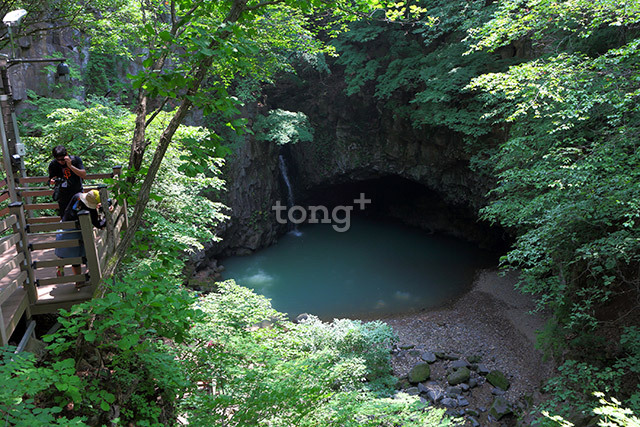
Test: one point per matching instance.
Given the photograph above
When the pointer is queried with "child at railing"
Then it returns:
(80, 201)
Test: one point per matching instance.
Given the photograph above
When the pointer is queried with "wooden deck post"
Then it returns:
(95, 272)
(111, 238)
(6, 153)
(17, 209)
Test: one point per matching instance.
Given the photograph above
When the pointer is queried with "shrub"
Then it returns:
(23, 385)
(254, 367)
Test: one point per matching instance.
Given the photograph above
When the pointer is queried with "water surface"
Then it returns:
(376, 268)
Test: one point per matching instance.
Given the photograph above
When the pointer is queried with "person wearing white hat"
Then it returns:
(89, 201)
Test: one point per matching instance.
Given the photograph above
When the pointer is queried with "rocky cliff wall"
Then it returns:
(357, 137)
(59, 43)
(358, 145)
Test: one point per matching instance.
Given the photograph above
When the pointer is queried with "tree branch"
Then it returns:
(155, 113)
(263, 4)
(176, 25)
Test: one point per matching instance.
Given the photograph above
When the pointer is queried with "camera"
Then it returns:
(56, 188)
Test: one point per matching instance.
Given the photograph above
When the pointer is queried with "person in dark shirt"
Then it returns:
(80, 201)
(70, 170)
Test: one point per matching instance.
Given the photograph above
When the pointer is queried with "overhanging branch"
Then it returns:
(263, 4)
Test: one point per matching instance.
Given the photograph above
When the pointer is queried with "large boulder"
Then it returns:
(419, 373)
(498, 379)
(459, 376)
(428, 357)
(500, 408)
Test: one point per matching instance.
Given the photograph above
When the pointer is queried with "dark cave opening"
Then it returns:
(394, 198)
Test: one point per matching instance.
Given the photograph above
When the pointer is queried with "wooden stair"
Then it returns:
(28, 281)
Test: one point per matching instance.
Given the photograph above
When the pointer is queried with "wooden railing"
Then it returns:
(28, 264)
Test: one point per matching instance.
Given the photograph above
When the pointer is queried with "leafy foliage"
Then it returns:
(611, 415)
(568, 189)
(258, 369)
(148, 347)
(568, 174)
(543, 21)
(350, 409)
(43, 16)
(149, 350)
(180, 214)
(417, 67)
(122, 360)
(23, 381)
(35, 118)
(98, 133)
(578, 381)
(103, 76)
(283, 127)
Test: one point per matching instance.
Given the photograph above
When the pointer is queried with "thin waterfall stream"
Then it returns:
(290, 199)
(285, 177)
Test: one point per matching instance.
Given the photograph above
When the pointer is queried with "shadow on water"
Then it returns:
(377, 268)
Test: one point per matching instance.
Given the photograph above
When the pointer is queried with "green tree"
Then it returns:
(195, 50)
(569, 169)
(414, 65)
(568, 178)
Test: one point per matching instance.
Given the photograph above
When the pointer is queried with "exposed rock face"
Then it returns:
(357, 137)
(65, 43)
(358, 146)
(253, 186)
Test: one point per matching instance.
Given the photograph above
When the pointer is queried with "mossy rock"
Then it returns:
(500, 408)
(475, 359)
(497, 379)
(419, 373)
(459, 376)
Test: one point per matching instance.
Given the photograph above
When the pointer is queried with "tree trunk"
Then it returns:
(200, 73)
(138, 141)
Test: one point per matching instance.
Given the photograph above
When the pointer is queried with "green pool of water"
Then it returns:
(376, 268)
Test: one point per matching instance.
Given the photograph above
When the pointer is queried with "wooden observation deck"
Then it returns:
(28, 281)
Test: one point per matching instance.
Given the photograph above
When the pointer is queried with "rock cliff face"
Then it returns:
(252, 183)
(356, 138)
(420, 176)
(64, 43)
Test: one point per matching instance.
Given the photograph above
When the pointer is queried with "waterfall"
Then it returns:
(290, 199)
(285, 176)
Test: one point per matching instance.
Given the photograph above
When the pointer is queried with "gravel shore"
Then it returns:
(492, 321)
